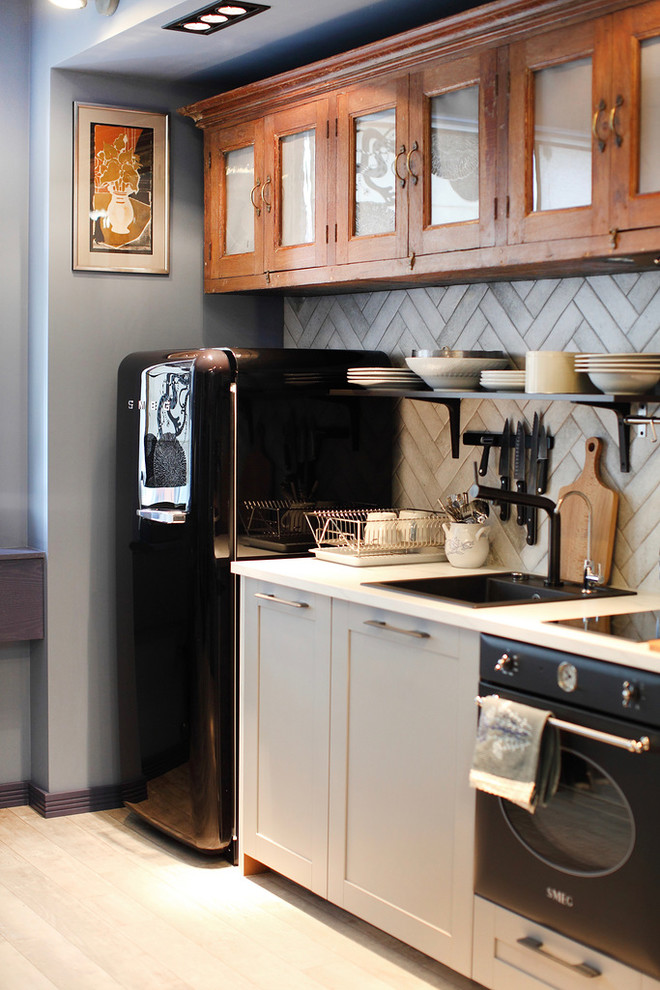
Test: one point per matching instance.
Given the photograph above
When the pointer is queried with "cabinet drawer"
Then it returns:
(401, 628)
(21, 598)
(513, 953)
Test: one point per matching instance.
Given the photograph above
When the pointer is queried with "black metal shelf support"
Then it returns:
(621, 406)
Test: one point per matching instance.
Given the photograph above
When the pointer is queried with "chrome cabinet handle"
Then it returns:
(594, 125)
(252, 192)
(395, 167)
(413, 175)
(617, 136)
(263, 194)
(404, 632)
(582, 969)
(280, 601)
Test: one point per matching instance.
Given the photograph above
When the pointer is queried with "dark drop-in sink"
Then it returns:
(487, 590)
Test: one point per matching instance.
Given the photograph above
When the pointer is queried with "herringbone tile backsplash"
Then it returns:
(604, 313)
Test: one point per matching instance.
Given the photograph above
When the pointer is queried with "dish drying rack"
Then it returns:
(276, 524)
(366, 537)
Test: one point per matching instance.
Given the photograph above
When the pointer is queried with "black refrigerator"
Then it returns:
(219, 453)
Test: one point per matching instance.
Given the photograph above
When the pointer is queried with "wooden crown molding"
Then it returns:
(489, 26)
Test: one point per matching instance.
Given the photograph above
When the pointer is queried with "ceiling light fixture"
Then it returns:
(215, 16)
(106, 7)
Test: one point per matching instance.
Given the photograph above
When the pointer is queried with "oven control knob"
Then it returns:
(567, 677)
(629, 694)
(507, 664)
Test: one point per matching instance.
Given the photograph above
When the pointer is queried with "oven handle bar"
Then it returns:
(641, 745)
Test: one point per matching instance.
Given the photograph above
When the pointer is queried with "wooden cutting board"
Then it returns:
(574, 518)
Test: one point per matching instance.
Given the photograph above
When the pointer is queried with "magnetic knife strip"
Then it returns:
(530, 448)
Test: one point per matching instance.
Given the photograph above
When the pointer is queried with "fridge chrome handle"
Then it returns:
(280, 601)
(168, 516)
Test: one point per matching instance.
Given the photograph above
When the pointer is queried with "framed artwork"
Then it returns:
(121, 191)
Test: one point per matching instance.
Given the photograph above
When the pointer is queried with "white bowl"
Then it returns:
(453, 373)
(625, 382)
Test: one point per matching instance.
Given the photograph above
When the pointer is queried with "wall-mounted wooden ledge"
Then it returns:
(21, 594)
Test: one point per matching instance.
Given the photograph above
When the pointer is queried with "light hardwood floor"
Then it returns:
(100, 901)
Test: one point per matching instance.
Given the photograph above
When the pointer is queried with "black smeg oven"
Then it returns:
(588, 864)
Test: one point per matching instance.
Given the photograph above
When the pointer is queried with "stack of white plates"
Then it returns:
(384, 378)
(505, 381)
(624, 373)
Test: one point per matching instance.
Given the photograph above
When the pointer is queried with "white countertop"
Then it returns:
(528, 623)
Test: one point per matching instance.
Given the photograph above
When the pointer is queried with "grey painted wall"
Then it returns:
(94, 319)
(71, 329)
(14, 109)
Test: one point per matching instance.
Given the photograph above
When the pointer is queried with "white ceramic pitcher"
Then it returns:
(466, 544)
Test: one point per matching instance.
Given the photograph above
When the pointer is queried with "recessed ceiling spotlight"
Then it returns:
(215, 16)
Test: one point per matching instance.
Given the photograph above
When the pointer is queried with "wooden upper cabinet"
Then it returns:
(295, 188)
(558, 167)
(584, 128)
(453, 155)
(266, 198)
(371, 201)
(634, 117)
(234, 190)
(511, 138)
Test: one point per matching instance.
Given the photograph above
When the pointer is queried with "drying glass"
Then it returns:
(455, 156)
(562, 136)
(375, 154)
(239, 213)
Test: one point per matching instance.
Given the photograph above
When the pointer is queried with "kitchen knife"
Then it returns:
(503, 468)
(487, 441)
(542, 470)
(519, 469)
(533, 481)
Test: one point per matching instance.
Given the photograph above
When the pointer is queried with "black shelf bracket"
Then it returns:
(622, 412)
(453, 406)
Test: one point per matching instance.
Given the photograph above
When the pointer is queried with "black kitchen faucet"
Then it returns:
(533, 501)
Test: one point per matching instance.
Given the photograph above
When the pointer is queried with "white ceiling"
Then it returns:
(289, 34)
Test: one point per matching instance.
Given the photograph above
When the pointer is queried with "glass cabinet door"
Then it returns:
(634, 113)
(558, 167)
(294, 191)
(372, 207)
(452, 185)
(233, 207)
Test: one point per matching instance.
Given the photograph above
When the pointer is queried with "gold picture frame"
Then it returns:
(121, 190)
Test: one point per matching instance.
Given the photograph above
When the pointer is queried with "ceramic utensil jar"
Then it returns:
(466, 544)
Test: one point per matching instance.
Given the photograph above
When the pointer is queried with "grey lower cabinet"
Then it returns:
(284, 719)
(356, 739)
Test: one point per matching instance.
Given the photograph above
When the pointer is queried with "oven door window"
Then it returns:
(587, 829)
